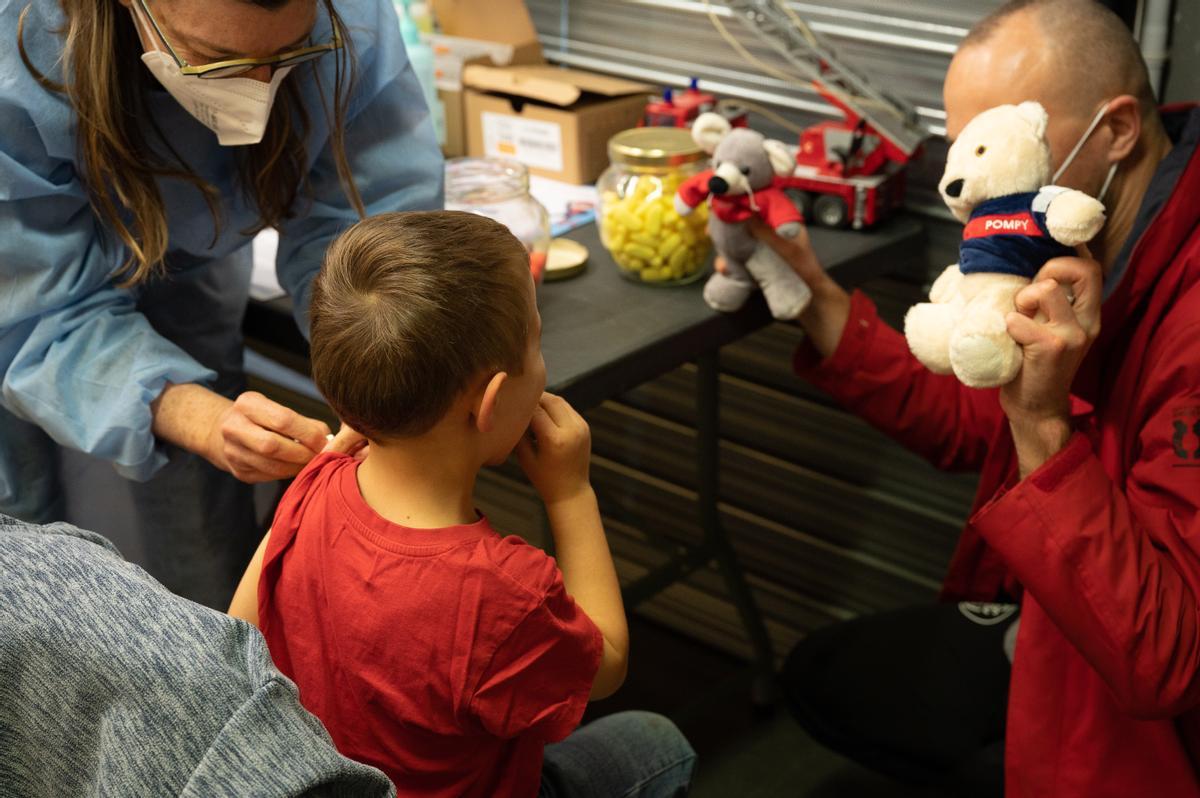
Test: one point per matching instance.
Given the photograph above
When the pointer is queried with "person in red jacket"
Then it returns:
(1086, 522)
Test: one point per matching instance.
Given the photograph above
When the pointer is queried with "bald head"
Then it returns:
(1069, 55)
(1079, 61)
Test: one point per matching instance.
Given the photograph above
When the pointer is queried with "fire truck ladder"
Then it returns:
(787, 34)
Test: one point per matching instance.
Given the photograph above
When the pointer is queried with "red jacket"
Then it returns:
(1102, 543)
(770, 203)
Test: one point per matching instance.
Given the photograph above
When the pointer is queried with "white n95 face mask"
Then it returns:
(236, 109)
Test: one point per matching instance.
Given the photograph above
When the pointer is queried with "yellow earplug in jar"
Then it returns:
(650, 242)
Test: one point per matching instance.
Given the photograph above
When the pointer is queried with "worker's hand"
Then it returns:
(258, 440)
(556, 451)
(1055, 336)
(349, 441)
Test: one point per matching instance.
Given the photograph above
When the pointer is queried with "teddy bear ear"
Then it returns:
(781, 158)
(1036, 115)
(708, 130)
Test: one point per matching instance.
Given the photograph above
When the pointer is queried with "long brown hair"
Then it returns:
(119, 169)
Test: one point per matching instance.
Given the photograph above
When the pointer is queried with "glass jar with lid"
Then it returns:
(499, 189)
(650, 242)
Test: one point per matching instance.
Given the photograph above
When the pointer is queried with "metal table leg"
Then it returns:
(708, 438)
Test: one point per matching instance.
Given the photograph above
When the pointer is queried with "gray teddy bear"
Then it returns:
(744, 182)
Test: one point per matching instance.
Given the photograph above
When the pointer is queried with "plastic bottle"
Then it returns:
(420, 54)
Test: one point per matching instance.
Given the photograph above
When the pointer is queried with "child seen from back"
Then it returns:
(453, 659)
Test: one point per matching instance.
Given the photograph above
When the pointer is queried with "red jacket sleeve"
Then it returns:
(1117, 568)
(694, 190)
(873, 374)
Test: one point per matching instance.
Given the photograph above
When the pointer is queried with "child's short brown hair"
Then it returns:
(408, 309)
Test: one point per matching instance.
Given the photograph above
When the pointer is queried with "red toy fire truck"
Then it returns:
(681, 109)
(849, 171)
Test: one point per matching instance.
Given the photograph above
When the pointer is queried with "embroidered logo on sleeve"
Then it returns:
(1003, 224)
(1185, 437)
(986, 614)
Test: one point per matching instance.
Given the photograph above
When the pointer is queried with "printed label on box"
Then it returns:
(532, 142)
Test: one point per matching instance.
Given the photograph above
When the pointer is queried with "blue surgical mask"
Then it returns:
(1079, 146)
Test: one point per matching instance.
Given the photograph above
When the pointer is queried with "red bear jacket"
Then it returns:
(1102, 543)
(770, 203)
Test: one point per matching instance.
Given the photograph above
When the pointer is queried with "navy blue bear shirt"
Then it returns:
(1008, 235)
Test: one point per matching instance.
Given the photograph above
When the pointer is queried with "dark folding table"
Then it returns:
(603, 334)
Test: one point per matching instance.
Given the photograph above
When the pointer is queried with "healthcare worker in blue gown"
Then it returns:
(142, 143)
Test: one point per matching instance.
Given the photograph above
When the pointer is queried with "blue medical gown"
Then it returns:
(76, 357)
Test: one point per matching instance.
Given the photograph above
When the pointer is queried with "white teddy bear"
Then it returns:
(994, 183)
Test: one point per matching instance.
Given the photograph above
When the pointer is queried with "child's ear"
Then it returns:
(489, 400)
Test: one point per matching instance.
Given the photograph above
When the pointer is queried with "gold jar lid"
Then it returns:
(566, 258)
(654, 146)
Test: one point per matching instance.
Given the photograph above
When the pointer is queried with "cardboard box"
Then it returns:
(492, 22)
(514, 105)
(476, 32)
(451, 54)
(555, 121)
(456, 129)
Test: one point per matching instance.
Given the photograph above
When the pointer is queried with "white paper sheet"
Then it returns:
(569, 205)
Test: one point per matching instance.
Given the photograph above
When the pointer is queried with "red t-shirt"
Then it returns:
(447, 658)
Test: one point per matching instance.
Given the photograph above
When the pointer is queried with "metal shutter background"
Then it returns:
(904, 46)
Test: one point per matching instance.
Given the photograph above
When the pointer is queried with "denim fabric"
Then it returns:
(626, 755)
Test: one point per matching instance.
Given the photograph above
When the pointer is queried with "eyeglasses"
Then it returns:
(239, 66)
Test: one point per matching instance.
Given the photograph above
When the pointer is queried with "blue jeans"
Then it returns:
(626, 755)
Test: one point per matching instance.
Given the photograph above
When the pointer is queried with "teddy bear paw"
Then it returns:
(985, 359)
(727, 294)
(1074, 218)
(789, 229)
(927, 328)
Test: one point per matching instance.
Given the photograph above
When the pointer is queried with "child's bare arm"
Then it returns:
(591, 580)
(556, 461)
(245, 598)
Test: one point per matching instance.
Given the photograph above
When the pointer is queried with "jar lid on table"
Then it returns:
(654, 147)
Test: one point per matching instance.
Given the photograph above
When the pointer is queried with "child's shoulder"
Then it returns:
(327, 461)
(312, 482)
(319, 470)
(326, 464)
(522, 566)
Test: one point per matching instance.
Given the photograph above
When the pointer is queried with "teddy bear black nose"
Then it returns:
(717, 185)
(954, 188)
